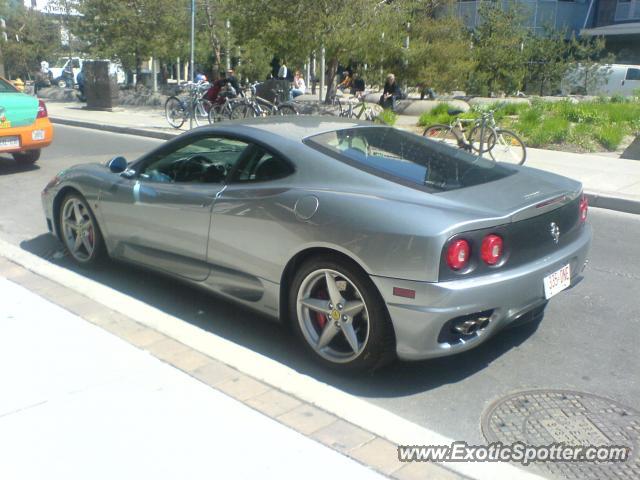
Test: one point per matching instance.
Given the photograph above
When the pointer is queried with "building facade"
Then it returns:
(618, 21)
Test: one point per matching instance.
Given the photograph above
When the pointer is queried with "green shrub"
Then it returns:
(438, 114)
(609, 136)
(388, 117)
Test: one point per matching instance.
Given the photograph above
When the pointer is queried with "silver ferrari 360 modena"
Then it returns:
(371, 242)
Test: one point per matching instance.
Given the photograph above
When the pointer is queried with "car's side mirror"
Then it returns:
(117, 164)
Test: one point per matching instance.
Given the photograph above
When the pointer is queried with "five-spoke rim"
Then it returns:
(333, 315)
(78, 229)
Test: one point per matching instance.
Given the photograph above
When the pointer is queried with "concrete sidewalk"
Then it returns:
(79, 402)
(611, 183)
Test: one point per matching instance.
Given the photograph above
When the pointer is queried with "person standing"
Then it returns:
(283, 72)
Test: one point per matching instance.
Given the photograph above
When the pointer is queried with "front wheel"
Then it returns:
(201, 112)
(28, 157)
(444, 134)
(287, 110)
(79, 230)
(175, 112)
(508, 148)
(339, 315)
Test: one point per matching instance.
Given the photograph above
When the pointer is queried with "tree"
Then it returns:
(548, 57)
(498, 45)
(589, 55)
(134, 30)
(440, 56)
(31, 38)
(348, 31)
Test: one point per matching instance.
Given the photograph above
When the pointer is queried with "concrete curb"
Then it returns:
(140, 132)
(609, 202)
(359, 412)
(596, 199)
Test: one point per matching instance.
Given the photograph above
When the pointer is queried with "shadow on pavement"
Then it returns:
(259, 333)
(9, 166)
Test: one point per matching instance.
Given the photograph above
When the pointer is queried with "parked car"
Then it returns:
(25, 128)
(614, 79)
(65, 71)
(371, 242)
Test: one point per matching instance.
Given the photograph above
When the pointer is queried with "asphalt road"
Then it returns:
(588, 341)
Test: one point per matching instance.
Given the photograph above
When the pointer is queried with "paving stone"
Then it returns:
(379, 454)
(343, 436)
(143, 338)
(166, 349)
(189, 360)
(274, 403)
(242, 387)
(424, 471)
(214, 373)
(307, 419)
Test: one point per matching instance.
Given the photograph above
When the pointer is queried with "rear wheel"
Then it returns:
(339, 315)
(442, 133)
(175, 112)
(481, 139)
(508, 148)
(28, 157)
(79, 230)
(242, 110)
(218, 113)
(287, 110)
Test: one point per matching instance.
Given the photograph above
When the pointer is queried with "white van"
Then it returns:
(74, 64)
(614, 79)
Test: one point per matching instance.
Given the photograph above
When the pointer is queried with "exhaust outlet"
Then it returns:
(471, 325)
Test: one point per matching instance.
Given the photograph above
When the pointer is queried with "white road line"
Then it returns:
(353, 409)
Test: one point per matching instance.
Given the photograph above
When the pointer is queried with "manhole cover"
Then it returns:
(542, 417)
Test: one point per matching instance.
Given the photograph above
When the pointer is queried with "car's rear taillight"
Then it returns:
(584, 208)
(42, 110)
(491, 249)
(458, 254)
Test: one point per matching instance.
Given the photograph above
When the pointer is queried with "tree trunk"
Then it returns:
(332, 70)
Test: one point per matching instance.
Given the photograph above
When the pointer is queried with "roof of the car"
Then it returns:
(294, 128)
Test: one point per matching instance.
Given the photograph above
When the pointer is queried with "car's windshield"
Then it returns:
(60, 63)
(408, 158)
(6, 87)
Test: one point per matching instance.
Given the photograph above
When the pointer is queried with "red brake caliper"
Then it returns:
(321, 318)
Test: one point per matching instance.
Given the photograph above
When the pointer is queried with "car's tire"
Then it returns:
(28, 157)
(77, 220)
(354, 339)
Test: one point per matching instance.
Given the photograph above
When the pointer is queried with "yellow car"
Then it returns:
(24, 124)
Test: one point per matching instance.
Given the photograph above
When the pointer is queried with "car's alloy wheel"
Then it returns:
(80, 232)
(340, 316)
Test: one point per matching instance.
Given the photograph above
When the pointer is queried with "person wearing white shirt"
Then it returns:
(299, 87)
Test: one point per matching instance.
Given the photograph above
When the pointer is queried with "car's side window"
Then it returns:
(203, 160)
(262, 165)
(633, 74)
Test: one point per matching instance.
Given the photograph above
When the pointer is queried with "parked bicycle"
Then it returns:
(481, 135)
(256, 106)
(179, 109)
(347, 108)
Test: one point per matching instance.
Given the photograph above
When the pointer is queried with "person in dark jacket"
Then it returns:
(391, 93)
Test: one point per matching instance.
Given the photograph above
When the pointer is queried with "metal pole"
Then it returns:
(193, 39)
(228, 25)
(193, 48)
(322, 73)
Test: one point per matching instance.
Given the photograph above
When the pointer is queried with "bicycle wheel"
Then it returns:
(487, 142)
(287, 110)
(175, 112)
(508, 148)
(216, 114)
(442, 133)
(201, 112)
(242, 110)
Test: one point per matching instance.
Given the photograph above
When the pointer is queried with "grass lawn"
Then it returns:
(597, 125)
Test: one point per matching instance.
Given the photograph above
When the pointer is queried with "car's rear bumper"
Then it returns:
(506, 297)
(32, 137)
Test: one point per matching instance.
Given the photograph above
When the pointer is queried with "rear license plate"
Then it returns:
(557, 281)
(9, 142)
